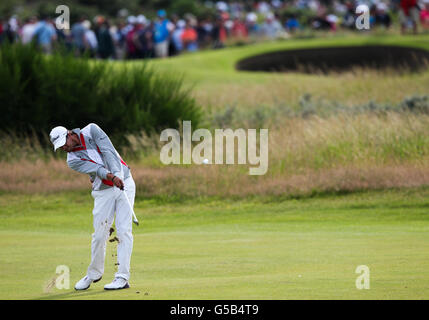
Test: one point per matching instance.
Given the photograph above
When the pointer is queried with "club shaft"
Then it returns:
(131, 208)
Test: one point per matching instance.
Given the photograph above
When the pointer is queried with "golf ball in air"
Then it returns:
(206, 161)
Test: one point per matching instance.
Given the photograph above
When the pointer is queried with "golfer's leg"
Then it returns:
(124, 228)
(104, 208)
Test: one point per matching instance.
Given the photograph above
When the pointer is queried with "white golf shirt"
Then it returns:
(96, 156)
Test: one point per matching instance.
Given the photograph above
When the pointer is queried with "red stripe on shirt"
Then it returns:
(88, 160)
(82, 141)
(106, 182)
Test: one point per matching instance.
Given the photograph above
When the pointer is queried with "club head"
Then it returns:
(136, 222)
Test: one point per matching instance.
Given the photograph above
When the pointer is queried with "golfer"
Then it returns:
(89, 150)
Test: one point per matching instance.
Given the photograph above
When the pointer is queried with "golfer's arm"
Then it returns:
(88, 167)
(108, 151)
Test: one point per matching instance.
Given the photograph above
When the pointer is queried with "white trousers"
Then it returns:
(106, 203)
(161, 49)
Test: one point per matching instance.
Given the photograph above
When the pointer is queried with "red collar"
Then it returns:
(82, 146)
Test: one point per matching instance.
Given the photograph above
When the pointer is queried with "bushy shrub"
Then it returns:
(39, 92)
(182, 7)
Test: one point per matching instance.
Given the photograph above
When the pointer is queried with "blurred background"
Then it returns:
(195, 25)
(138, 67)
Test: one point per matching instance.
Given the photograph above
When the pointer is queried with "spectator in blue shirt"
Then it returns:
(177, 36)
(161, 34)
(78, 32)
(292, 24)
(44, 34)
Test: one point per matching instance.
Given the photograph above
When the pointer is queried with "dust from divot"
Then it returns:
(114, 239)
(50, 284)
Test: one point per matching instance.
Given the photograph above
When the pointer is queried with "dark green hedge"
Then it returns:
(39, 92)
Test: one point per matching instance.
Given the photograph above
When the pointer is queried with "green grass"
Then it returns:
(225, 249)
(212, 66)
(217, 84)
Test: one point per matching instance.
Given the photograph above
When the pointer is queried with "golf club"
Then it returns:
(132, 210)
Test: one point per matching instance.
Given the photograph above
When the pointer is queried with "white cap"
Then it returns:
(181, 24)
(132, 19)
(58, 137)
(87, 24)
(221, 6)
(331, 18)
(362, 8)
(141, 19)
(381, 6)
(229, 24)
(252, 17)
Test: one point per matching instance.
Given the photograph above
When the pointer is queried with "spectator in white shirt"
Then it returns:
(27, 30)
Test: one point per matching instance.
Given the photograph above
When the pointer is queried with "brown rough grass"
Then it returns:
(338, 153)
(210, 180)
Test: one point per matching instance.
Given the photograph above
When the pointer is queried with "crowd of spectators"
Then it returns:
(136, 36)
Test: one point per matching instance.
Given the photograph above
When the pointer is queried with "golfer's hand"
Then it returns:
(118, 183)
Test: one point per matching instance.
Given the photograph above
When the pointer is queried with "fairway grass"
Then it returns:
(226, 249)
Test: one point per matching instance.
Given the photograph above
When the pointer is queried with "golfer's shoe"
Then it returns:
(84, 283)
(117, 284)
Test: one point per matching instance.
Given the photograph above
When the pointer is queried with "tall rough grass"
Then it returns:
(25, 147)
(309, 154)
(343, 140)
